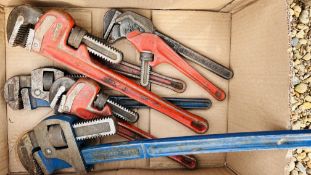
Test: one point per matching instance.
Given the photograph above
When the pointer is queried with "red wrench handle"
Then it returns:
(131, 132)
(163, 53)
(54, 46)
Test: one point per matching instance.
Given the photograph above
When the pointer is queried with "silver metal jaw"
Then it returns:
(42, 80)
(123, 112)
(94, 128)
(94, 45)
(20, 25)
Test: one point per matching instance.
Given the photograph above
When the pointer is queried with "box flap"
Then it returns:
(147, 4)
(259, 96)
(236, 5)
(3, 119)
(209, 171)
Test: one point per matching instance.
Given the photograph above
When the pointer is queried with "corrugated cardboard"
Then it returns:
(247, 35)
(214, 5)
(258, 92)
(3, 120)
(235, 6)
(208, 33)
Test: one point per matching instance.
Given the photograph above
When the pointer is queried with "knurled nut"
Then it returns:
(147, 56)
(75, 37)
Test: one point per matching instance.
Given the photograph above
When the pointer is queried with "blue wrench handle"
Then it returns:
(185, 103)
(202, 144)
(217, 143)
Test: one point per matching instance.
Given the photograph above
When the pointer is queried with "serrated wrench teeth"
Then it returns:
(122, 112)
(104, 51)
(94, 128)
(94, 45)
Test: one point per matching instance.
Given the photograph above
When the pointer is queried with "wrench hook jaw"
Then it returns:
(26, 147)
(33, 159)
(20, 21)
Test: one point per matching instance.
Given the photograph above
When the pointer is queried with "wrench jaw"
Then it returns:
(117, 24)
(55, 143)
(30, 91)
(111, 29)
(42, 80)
(12, 91)
(26, 147)
(49, 151)
(32, 158)
(20, 25)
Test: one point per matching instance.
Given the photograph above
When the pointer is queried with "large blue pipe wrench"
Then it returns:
(45, 150)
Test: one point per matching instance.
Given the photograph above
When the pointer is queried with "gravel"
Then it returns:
(300, 98)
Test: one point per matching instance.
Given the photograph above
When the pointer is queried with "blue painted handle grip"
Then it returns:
(217, 143)
(185, 103)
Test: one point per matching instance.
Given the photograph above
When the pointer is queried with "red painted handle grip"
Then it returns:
(131, 132)
(163, 53)
(54, 46)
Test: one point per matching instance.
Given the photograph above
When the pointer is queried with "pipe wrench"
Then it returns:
(154, 51)
(31, 91)
(47, 34)
(117, 25)
(17, 94)
(42, 155)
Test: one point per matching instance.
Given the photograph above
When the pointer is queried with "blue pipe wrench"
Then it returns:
(50, 157)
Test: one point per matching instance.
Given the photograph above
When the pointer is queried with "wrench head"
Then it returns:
(42, 80)
(13, 91)
(21, 21)
(55, 94)
(26, 147)
(41, 151)
(117, 24)
(109, 21)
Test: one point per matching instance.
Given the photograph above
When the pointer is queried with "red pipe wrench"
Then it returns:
(52, 32)
(163, 53)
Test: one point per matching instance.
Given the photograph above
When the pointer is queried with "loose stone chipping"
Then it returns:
(300, 94)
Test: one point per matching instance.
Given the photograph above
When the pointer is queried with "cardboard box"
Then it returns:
(249, 36)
